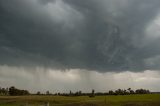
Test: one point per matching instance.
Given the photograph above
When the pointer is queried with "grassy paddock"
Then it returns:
(128, 100)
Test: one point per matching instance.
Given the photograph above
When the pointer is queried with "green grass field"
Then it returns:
(128, 100)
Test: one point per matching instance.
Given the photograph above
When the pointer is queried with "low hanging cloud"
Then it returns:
(41, 79)
(105, 35)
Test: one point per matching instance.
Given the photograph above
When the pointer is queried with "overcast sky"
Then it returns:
(63, 45)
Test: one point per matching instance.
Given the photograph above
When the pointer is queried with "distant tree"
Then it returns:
(92, 94)
(38, 93)
(76, 94)
(148, 92)
(111, 92)
(59, 94)
(93, 91)
(3, 91)
(14, 91)
(125, 92)
(119, 92)
(70, 92)
(80, 93)
(142, 91)
(47, 93)
(0, 91)
(130, 91)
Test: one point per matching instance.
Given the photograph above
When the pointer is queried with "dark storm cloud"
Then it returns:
(105, 35)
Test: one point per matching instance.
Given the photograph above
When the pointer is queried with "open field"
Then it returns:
(128, 100)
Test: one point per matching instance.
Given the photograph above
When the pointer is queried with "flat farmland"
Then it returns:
(127, 100)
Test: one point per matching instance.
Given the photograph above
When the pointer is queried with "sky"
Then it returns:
(63, 45)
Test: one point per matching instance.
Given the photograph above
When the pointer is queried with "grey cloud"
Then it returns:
(105, 35)
(76, 79)
(46, 1)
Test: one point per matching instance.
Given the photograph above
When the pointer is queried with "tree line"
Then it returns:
(128, 92)
(13, 91)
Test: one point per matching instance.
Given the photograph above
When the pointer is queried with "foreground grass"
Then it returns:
(128, 100)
